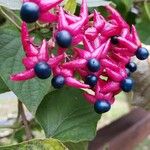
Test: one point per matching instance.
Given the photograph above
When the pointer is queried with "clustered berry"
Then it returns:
(93, 52)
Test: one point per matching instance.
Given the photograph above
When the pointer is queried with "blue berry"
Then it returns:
(132, 66)
(58, 82)
(114, 40)
(91, 80)
(127, 84)
(142, 53)
(42, 70)
(93, 65)
(29, 12)
(64, 39)
(102, 106)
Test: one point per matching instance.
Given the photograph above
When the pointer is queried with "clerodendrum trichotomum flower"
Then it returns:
(94, 52)
(37, 61)
(33, 10)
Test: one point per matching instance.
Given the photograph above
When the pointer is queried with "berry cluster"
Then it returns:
(93, 52)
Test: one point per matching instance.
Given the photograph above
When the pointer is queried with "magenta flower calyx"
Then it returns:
(93, 52)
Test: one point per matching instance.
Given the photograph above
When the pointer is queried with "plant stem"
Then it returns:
(10, 19)
(13, 14)
(18, 113)
(37, 27)
(25, 122)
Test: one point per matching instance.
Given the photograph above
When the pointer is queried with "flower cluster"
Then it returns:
(93, 52)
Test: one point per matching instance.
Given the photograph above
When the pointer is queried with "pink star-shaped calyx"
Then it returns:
(84, 55)
(116, 17)
(33, 56)
(104, 90)
(91, 33)
(68, 75)
(27, 42)
(128, 43)
(45, 6)
(104, 27)
(75, 28)
(30, 62)
(111, 68)
(83, 14)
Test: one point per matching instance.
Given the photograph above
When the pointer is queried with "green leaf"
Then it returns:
(65, 115)
(3, 86)
(77, 146)
(11, 4)
(70, 6)
(39, 144)
(2, 19)
(95, 3)
(143, 25)
(11, 15)
(144, 31)
(128, 3)
(30, 92)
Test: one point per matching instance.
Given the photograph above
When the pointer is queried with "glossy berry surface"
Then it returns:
(58, 82)
(127, 84)
(142, 53)
(64, 39)
(93, 65)
(42, 70)
(29, 12)
(91, 80)
(102, 106)
(114, 40)
(132, 66)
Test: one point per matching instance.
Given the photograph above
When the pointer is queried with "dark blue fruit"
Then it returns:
(132, 66)
(42, 70)
(127, 84)
(93, 65)
(58, 82)
(102, 106)
(91, 80)
(142, 53)
(29, 12)
(64, 39)
(114, 40)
